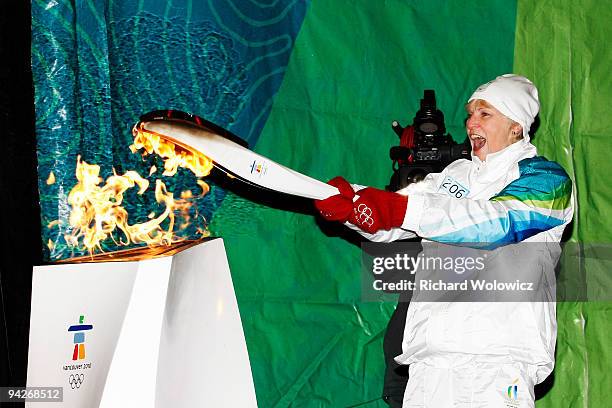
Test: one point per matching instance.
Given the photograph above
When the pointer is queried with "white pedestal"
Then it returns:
(163, 332)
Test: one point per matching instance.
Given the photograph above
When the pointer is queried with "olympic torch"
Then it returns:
(230, 154)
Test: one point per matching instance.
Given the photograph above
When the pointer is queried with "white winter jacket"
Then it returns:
(514, 196)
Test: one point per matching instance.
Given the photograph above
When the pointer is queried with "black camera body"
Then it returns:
(425, 147)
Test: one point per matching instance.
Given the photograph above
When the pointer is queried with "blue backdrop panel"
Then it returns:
(98, 65)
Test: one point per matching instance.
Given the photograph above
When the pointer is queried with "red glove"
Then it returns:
(340, 206)
(377, 210)
(372, 211)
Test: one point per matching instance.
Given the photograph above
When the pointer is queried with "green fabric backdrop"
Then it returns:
(355, 67)
(564, 48)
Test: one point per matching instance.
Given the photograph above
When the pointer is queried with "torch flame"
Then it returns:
(174, 156)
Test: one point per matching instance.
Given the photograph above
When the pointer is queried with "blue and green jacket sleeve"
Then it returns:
(539, 200)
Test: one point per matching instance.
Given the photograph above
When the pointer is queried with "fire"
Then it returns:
(174, 156)
(97, 211)
(51, 179)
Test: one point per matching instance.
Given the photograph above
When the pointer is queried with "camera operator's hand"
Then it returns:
(371, 211)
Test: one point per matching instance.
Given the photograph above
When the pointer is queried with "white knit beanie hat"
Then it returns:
(514, 96)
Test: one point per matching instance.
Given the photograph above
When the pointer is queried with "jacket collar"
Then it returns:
(499, 164)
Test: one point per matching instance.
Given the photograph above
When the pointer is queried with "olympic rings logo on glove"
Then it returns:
(363, 214)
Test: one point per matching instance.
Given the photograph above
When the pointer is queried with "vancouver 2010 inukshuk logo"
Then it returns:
(79, 354)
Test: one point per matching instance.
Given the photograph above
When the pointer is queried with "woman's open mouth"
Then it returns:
(477, 142)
